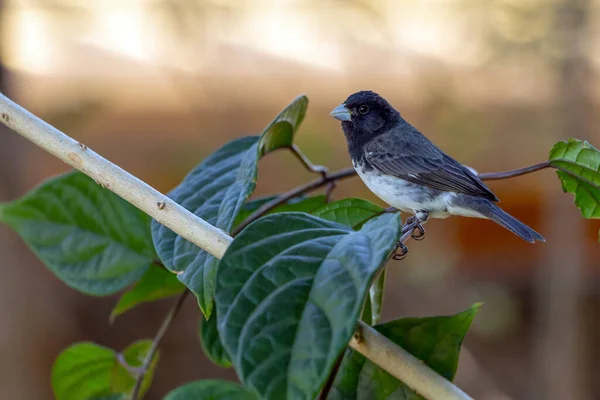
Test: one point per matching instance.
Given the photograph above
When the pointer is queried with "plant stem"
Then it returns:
(376, 296)
(307, 187)
(331, 379)
(317, 169)
(494, 176)
(164, 327)
(305, 161)
(350, 172)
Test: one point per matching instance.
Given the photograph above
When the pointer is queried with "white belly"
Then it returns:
(410, 197)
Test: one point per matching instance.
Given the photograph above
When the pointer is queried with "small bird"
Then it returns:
(407, 171)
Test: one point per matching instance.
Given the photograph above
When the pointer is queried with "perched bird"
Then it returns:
(407, 171)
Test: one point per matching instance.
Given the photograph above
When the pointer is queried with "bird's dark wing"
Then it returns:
(416, 159)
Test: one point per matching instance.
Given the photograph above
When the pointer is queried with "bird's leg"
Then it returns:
(413, 223)
(400, 251)
(420, 218)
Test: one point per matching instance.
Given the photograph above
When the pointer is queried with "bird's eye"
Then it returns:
(363, 109)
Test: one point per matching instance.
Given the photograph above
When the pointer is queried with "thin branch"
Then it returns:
(371, 344)
(164, 327)
(350, 172)
(123, 362)
(317, 169)
(331, 379)
(494, 176)
(308, 187)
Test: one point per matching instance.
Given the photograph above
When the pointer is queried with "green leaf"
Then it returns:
(212, 389)
(434, 340)
(89, 237)
(578, 164)
(349, 212)
(280, 132)
(290, 290)
(82, 371)
(211, 343)
(86, 370)
(215, 191)
(157, 283)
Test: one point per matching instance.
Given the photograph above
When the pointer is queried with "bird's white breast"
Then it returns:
(411, 197)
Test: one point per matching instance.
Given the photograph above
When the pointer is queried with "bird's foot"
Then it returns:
(400, 252)
(416, 221)
(418, 233)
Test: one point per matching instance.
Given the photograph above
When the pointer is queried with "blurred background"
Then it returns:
(157, 85)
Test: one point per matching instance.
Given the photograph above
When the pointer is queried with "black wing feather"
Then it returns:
(417, 160)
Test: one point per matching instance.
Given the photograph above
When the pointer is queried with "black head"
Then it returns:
(365, 115)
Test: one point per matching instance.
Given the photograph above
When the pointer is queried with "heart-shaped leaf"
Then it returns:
(349, 212)
(215, 191)
(89, 237)
(211, 344)
(212, 389)
(434, 340)
(157, 283)
(578, 164)
(86, 370)
(290, 290)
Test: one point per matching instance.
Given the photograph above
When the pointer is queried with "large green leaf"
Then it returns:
(290, 290)
(350, 212)
(434, 340)
(86, 370)
(211, 343)
(157, 283)
(216, 190)
(578, 164)
(90, 238)
(212, 389)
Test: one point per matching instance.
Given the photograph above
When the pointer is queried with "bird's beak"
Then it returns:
(341, 113)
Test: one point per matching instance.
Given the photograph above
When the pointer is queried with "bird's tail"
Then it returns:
(491, 211)
(501, 217)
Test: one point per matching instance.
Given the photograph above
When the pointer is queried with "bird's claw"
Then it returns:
(400, 252)
(418, 232)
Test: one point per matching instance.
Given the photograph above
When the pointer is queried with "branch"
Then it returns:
(169, 318)
(494, 176)
(403, 365)
(308, 187)
(345, 173)
(113, 178)
(317, 169)
(370, 343)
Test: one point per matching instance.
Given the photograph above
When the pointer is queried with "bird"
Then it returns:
(410, 173)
